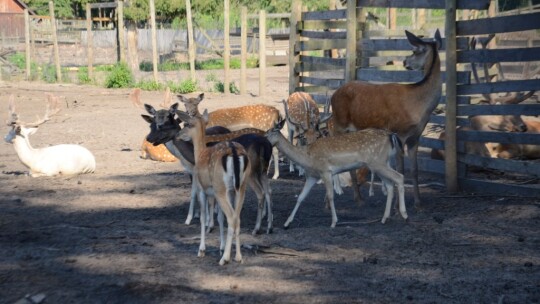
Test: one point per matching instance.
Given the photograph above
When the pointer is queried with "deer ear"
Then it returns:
(438, 39)
(149, 119)
(173, 108)
(205, 115)
(182, 98)
(280, 124)
(150, 109)
(415, 41)
(201, 97)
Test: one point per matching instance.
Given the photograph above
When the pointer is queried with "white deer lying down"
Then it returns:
(329, 156)
(49, 161)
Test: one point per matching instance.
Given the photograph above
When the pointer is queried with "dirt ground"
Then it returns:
(118, 235)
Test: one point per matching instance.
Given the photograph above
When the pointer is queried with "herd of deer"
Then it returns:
(226, 150)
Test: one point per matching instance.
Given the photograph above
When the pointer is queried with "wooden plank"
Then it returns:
(404, 45)
(432, 4)
(482, 186)
(433, 143)
(500, 86)
(313, 89)
(302, 67)
(321, 99)
(315, 45)
(296, 13)
(325, 15)
(507, 165)
(513, 109)
(440, 119)
(330, 83)
(430, 165)
(324, 35)
(402, 75)
(323, 60)
(321, 25)
(262, 52)
(499, 55)
(104, 5)
(499, 137)
(243, 51)
(494, 25)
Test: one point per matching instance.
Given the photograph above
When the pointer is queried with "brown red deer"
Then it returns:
(401, 108)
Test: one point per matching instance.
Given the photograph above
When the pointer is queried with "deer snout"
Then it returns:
(521, 127)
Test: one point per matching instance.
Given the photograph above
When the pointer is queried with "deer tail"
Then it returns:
(236, 163)
(397, 145)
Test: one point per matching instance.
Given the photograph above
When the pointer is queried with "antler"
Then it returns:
(13, 118)
(52, 107)
(288, 117)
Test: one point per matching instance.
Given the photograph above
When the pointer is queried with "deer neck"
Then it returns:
(183, 151)
(294, 153)
(25, 151)
(198, 138)
(427, 91)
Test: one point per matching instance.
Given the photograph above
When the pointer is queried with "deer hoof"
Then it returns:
(223, 262)
(270, 231)
(201, 253)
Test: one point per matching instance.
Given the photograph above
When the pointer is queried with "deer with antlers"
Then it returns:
(257, 116)
(303, 118)
(221, 172)
(329, 156)
(64, 159)
(401, 108)
(148, 150)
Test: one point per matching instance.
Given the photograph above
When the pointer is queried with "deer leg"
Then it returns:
(310, 182)
(413, 151)
(391, 177)
(275, 157)
(202, 203)
(329, 185)
(239, 197)
(193, 198)
(257, 188)
(291, 137)
(221, 229)
(210, 210)
(268, 200)
(356, 189)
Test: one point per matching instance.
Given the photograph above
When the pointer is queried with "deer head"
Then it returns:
(421, 51)
(191, 104)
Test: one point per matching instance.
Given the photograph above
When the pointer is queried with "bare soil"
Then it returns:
(118, 235)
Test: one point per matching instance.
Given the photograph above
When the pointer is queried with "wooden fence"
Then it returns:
(376, 55)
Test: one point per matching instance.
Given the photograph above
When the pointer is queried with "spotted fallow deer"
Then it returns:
(329, 156)
(220, 171)
(401, 108)
(258, 116)
(148, 150)
(64, 159)
(302, 115)
(165, 128)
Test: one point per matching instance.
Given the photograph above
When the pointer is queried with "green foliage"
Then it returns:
(82, 76)
(18, 59)
(220, 87)
(48, 73)
(149, 85)
(119, 77)
(211, 77)
(186, 86)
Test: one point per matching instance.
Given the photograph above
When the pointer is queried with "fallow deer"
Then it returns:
(259, 116)
(521, 151)
(401, 108)
(148, 150)
(64, 159)
(302, 116)
(329, 156)
(259, 149)
(163, 129)
(221, 172)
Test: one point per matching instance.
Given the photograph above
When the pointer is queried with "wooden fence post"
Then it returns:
(27, 44)
(154, 39)
(243, 55)
(296, 16)
(121, 32)
(191, 41)
(350, 63)
(262, 52)
(226, 48)
(55, 43)
(89, 42)
(451, 96)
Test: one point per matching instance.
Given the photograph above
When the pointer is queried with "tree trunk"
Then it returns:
(133, 57)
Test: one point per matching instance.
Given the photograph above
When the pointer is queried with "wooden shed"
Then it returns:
(12, 18)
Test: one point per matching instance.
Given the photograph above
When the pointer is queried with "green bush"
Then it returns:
(48, 73)
(18, 59)
(184, 87)
(119, 77)
(211, 77)
(220, 87)
(82, 76)
(149, 85)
